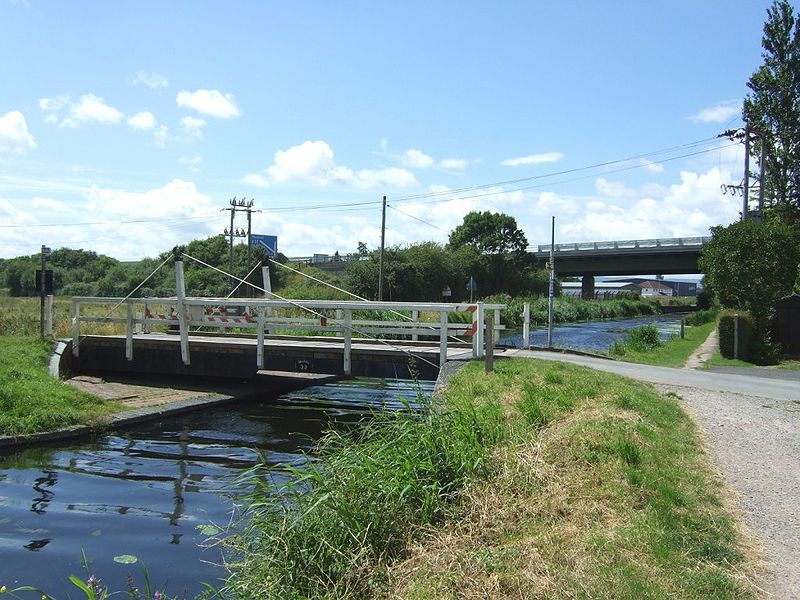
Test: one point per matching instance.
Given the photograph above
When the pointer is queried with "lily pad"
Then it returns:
(208, 530)
(125, 559)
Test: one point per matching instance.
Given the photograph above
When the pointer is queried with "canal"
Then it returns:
(594, 336)
(160, 490)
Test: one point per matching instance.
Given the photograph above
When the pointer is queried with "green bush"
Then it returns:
(726, 334)
(644, 338)
(701, 317)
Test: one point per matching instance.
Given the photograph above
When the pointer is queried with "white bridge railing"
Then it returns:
(267, 317)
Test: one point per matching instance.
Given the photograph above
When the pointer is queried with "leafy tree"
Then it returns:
(751, 265)
(489, 233)
(772, 110)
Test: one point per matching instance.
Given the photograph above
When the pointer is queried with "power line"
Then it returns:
(451, 193)
(564, 172)
(416, 218)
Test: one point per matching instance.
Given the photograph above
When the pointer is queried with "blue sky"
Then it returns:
(126, 127)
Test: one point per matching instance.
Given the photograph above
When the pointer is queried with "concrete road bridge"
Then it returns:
(665, 256)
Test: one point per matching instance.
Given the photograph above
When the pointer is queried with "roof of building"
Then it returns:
(654, 285)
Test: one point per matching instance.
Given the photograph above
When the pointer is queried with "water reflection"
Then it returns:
(594, 336)
(151, 490)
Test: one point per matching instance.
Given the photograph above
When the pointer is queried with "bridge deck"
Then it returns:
(227, 356)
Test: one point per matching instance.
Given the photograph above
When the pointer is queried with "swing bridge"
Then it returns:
(244, 338)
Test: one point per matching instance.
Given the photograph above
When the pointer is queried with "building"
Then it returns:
(653, 289)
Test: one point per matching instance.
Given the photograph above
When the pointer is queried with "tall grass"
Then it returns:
(567, 310)
(358, 506)
(602, 490)
(31, 400)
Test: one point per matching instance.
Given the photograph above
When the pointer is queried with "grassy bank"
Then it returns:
(31, 400)
(674, 352)
(569, 310)
(540, 480)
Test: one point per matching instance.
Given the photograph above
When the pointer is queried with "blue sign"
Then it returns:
(270, 242)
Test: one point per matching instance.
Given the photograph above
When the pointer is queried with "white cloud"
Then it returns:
(719, 113)
(256, 180)
(143, 121)
(172, 210)
(191, 162)
(651, 167)
(533, 159)
(453, 164)
(193, 126)
(14, 135)
(53, 104)
(212, 103)
(91, 109)
(313, 162)
(688, 208)
(151, 80)
(160, 135)
(613, 189)
(50, 205)
(416, 159)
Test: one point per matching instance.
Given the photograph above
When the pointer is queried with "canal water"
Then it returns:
(594, 336)
(159, 490)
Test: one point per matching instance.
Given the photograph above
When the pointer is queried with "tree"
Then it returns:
(772, 110)
(490, 233)
(751, 265)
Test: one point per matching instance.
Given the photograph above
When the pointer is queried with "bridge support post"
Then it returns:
(267, 290)
(129, 332)
(477, 338)
(442, 338)
(526, 326)
(415, 319)
(260, 339)
(587, 287)
(76, 327)
(348, 340)
(180, 293)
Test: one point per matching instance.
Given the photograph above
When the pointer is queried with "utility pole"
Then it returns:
(745, 135)
(762, 161)
(552, 290)
(746, 194)
(380, 260)
(246, 206)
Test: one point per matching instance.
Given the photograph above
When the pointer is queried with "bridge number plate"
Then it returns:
(303, 366)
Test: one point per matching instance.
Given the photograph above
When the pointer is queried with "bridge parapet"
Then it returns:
(671, 243)
(349, 319)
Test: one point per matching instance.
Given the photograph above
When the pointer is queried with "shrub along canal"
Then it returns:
(159, 490)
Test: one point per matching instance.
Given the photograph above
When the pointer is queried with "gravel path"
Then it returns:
(755, 442)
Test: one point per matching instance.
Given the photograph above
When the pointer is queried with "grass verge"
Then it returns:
(791, 364)
(31, 400)
(540, 480)
(674, 352)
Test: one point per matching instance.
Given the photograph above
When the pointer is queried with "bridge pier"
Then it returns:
(587, 287)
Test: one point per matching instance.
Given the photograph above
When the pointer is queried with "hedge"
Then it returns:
(726, 334)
